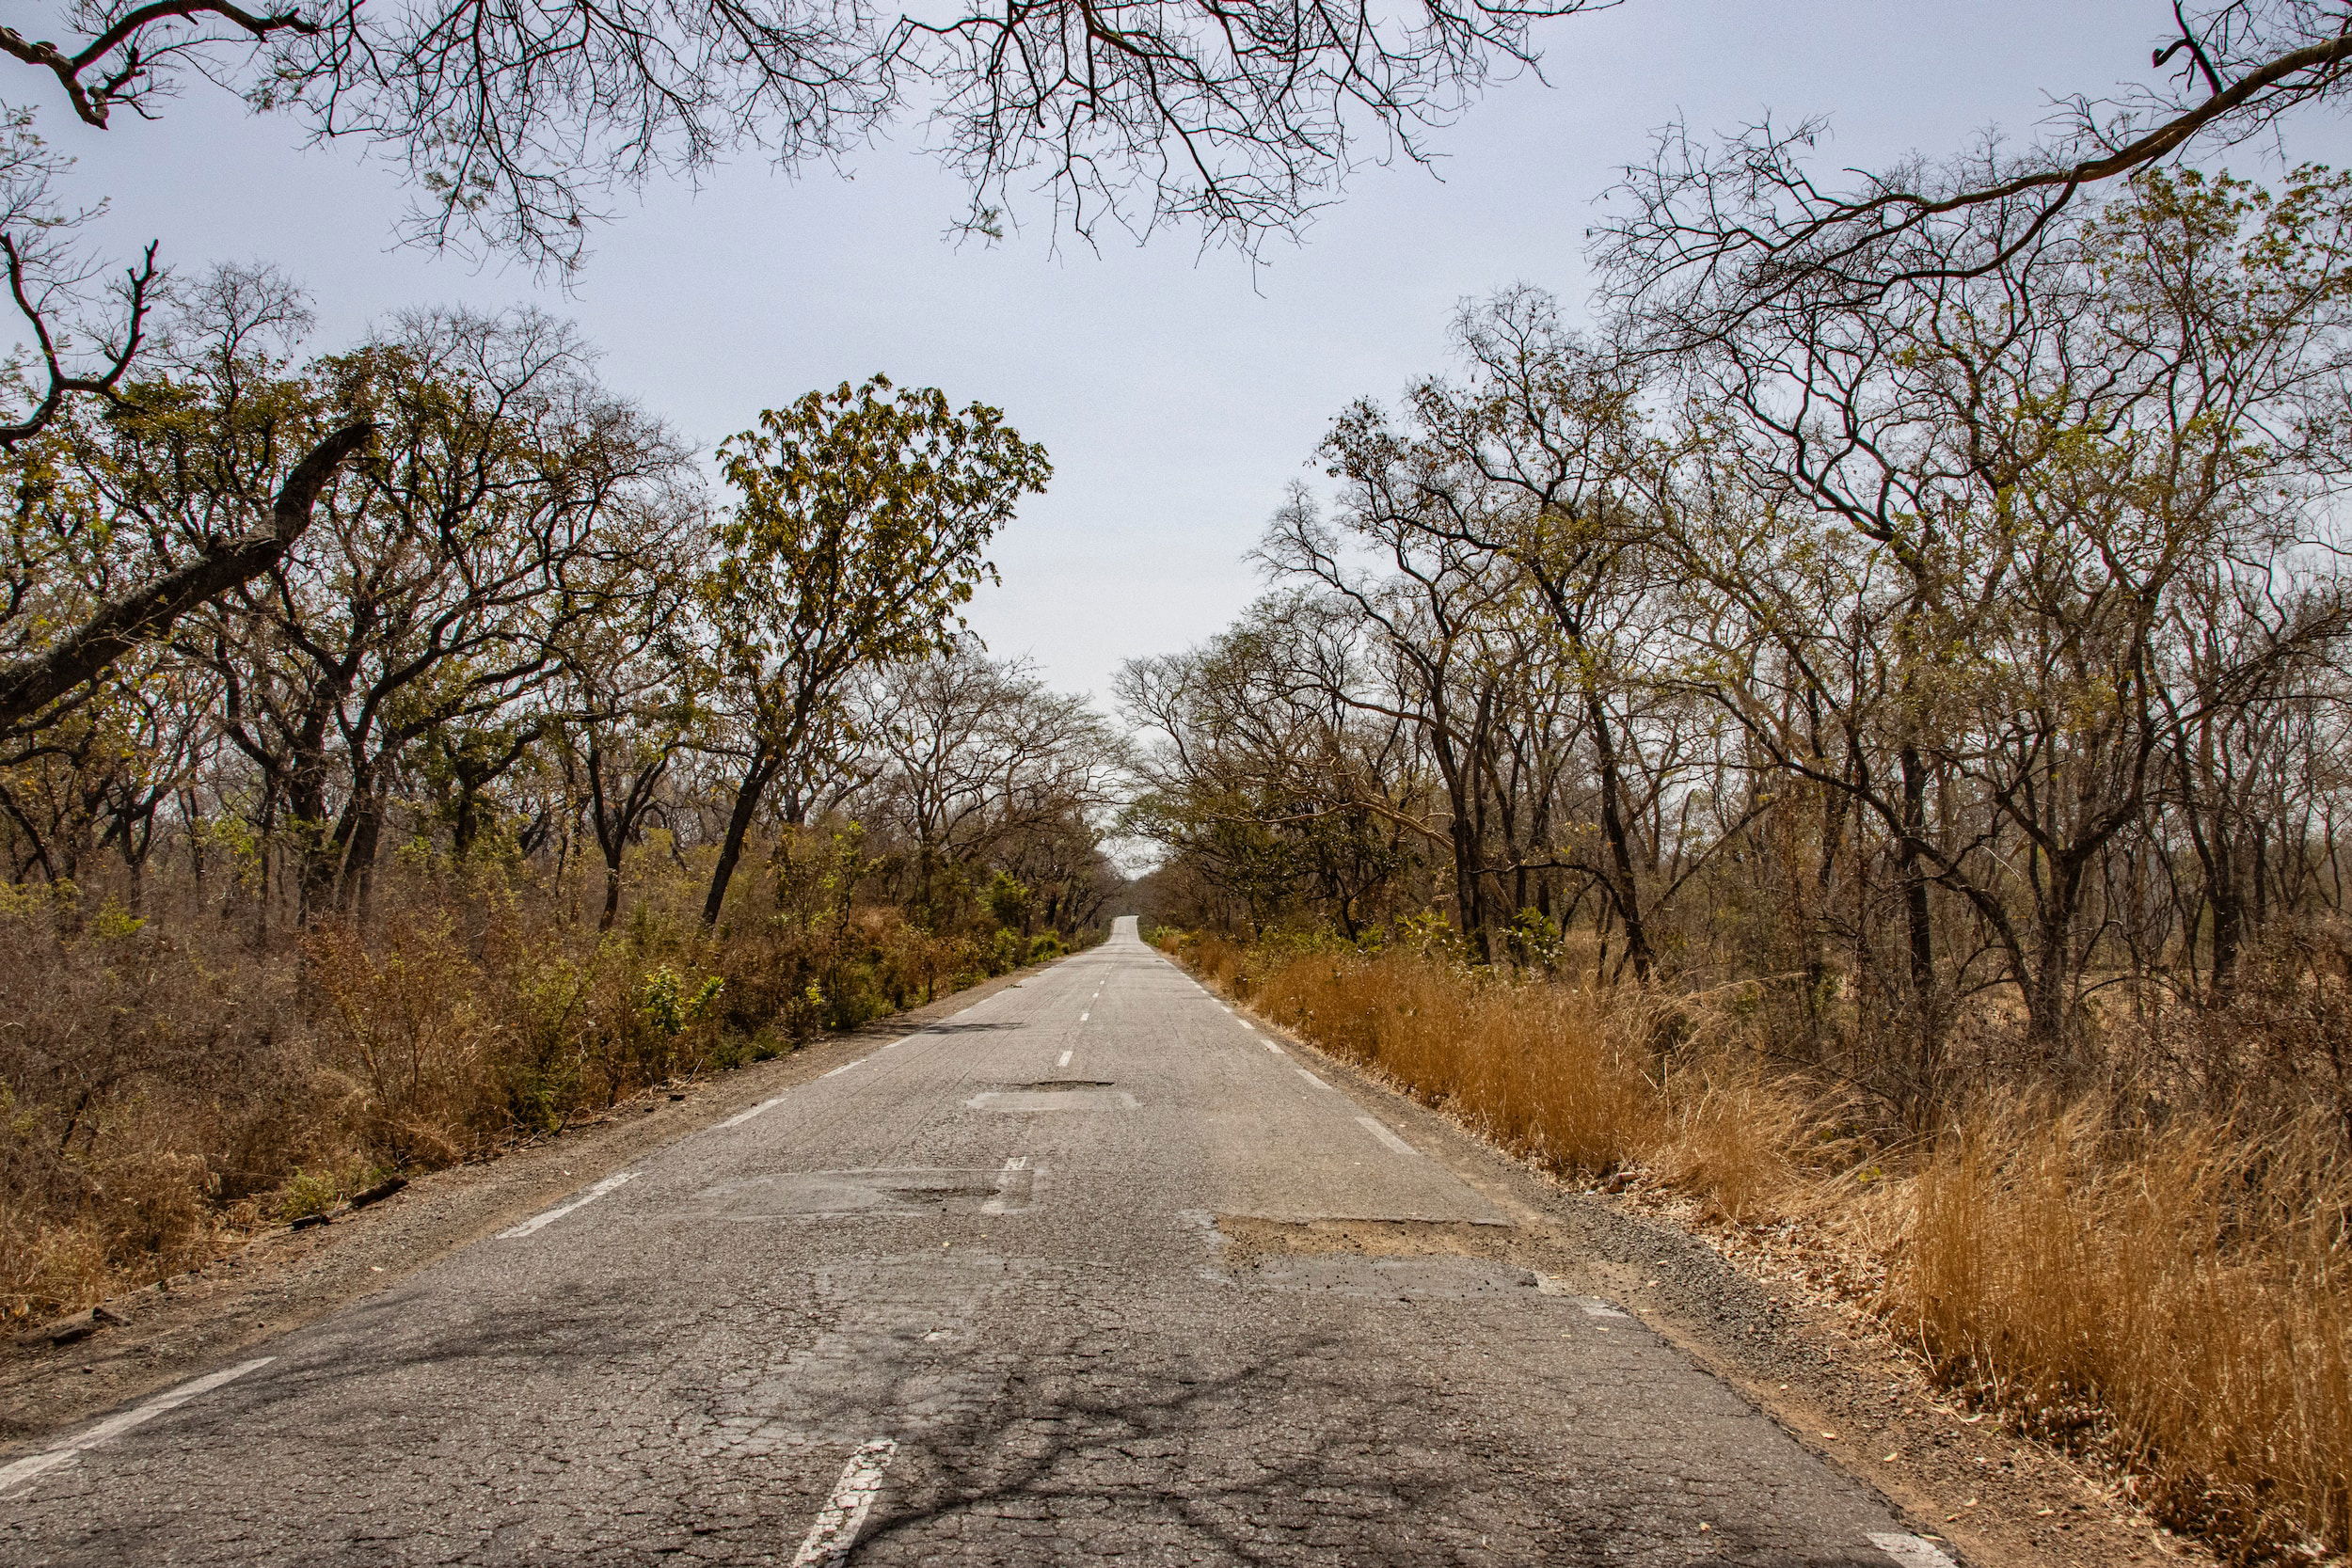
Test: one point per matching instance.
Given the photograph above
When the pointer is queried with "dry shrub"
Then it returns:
(148, 1089)
(404, 1027)
(1216, 960)
(167, 1083)
(2184, 1295)
(1551, 1071)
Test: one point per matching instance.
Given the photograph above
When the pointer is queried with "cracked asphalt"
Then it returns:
(1013, 1290)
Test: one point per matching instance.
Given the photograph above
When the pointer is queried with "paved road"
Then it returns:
(1089, 1273)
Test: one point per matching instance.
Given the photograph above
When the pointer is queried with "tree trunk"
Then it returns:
(1625, 891)
(2049, 988)
(30, 684)
(1926, 1004)
(756, 777)
(611, 889)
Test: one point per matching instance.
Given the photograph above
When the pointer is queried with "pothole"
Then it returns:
(1346, 1273)
(841, 1194)
(1397, 1259)
(1248, 1237)
(1056, 1094)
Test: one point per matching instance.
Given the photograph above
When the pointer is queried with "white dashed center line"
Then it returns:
(1065, 1058)
(741, 1116)
(536, 1221)
(115, 1426)
(1083, 1017)
(1380, 1131)
(844, 1514)
(1011, 1195)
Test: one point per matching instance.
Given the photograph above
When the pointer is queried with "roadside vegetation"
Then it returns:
(2174, 1299)
(1878, 767)
(533, 776)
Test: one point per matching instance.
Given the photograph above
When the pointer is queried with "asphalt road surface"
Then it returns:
(1089, 1273)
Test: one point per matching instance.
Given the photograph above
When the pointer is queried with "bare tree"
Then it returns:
(971, 754)
(1708, 236)
(515, 124)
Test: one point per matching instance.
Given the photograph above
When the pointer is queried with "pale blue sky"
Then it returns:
(1178, 393)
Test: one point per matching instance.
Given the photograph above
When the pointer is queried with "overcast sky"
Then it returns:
(1178, 393)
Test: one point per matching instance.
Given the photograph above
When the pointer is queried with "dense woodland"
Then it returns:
(1964, 678)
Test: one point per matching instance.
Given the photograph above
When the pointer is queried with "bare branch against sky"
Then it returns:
(1178, 394)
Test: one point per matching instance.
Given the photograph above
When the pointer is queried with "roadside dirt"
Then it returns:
(283, 1278)
(1755, 1313)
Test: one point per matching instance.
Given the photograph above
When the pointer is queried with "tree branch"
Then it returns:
(62, 385)
(30, 684)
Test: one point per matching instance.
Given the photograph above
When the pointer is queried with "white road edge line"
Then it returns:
(1910, 1550)
(536, 1221)
(844, 1514)
(1385, 1135)
(741, 1116)
(1276, 1049)
(1065, 1058)
(115, 1426)
(843, 1068)
(1312, 1079)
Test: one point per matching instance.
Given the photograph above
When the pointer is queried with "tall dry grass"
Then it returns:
(2175, 1292)
(1554, 1074)
(2183, 1295)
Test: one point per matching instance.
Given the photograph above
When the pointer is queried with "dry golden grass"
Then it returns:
(2178, 1296)
(1550, 1072)
(2185, 1296)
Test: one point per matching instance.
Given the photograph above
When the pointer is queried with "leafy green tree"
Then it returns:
(863, 515)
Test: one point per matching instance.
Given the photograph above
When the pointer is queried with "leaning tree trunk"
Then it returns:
(756, 777)
(29, 685)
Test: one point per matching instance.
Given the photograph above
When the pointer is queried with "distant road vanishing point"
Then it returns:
(1090, 1272)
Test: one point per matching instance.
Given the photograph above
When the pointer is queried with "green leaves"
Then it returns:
(864, 516)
